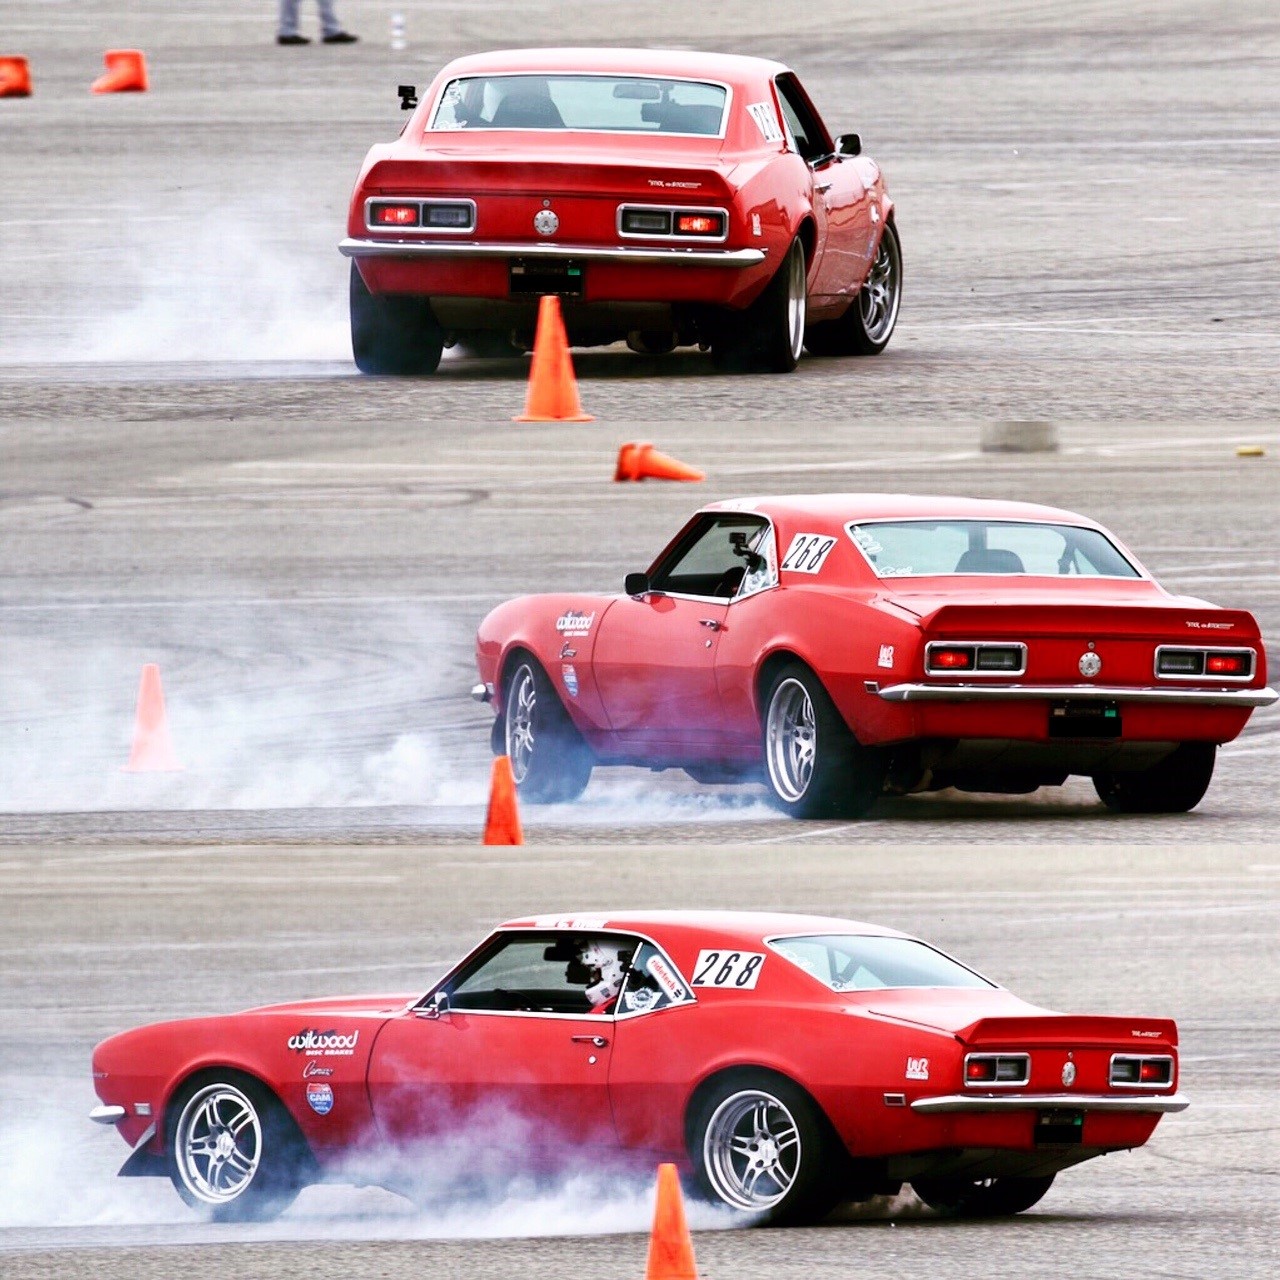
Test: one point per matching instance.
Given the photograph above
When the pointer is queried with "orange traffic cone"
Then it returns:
(553, 390)
(502, 822)
(152, 749)
(15, 77)
(126, 72)
(670, 1244)
(644, 462)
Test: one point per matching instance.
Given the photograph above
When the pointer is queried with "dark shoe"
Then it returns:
(292, 40)
(341, 37)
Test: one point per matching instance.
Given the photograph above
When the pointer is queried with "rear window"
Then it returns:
(610, 104)
(855, 962)
(926, 548)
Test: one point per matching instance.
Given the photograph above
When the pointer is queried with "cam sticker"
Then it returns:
(807, 552)
(570, 674)
(739, 970)
(320, 1098)
(766, 119)
(886, 656)
(324, 1044)
(917, 1068)
(573, 623)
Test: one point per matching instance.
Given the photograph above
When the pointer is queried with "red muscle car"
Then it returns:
(788, 1062)
(851, 646)
(667, 198)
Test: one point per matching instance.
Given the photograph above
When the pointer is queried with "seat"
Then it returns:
(989, 560)
(678, 118)
(527, 109)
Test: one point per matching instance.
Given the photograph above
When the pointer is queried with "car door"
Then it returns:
(506, 1054)
(655, 652)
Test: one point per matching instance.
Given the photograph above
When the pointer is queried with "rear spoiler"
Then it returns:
(1073, 1031)
(1201, 625)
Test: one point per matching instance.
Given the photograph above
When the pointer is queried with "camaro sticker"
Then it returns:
(766, 120)
(324, 1044)
(807, 552)
(573, 623)
(737, 969)
(320, 1098)
(917, 1068)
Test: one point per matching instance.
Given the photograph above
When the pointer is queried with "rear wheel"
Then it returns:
(549, 761)
(1175, 785)
(981, 1197)
(866, 327)
(392, 333)
(814, 766)
(769, 335)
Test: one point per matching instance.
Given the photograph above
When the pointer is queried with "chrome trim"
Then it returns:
(673, 256)
(107, 1115)
(1049, 1102)
(975, 645)
(1138, 1058)
(1078, 692)
(1025, 1059)
(674, 210)
(1206, 649)
(481, 692)
(421, 202)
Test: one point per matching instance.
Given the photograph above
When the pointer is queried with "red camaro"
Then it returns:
(857, 645)
(667, 198)
(789, 1062)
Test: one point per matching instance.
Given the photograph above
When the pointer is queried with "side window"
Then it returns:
(726, 556)
(653, 982)
(807, 131)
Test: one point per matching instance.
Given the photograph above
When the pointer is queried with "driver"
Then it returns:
(601, 964)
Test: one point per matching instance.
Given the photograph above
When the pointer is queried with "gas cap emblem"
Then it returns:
(545, 222)
(1068, 1074)
(1090, 664)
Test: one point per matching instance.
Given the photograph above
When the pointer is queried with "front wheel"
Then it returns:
(814, 766)
(866, 327)
(769, 335)
(981, 1197)
(759, 1144)
(392, 333)
(1174, 785)
(233, 1150)
(549, 761)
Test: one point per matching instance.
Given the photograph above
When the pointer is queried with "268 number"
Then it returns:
(736, 969)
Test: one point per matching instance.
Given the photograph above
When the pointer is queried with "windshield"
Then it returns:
(917, 548)
(849, 962)
(614, 104)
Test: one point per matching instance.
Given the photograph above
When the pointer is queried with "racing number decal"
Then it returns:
(739, 970)
(807, 552)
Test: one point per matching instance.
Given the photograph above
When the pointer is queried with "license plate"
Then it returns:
(1084, 720)
(1059, 1126)
(528, 277)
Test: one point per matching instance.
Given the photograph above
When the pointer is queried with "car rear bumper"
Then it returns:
(1150, 1104)
(671, 256)
(1077, 693)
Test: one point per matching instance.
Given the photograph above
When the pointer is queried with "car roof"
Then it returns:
(842, 507)
(732, 68)
(740, 925)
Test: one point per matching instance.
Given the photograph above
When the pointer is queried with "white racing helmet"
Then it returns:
(603, 960)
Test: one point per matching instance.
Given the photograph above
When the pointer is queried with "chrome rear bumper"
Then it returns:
(667, 257)
(1149, 1103)
(1076, 693)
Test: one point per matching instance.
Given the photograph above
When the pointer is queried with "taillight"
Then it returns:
(658, 221)
(449, 215)
(699, 224)
(982, 658)
(394, 215)
(1189, 662)
(423, 214)
(646, 222)
(1008, 1070)
(1141, 1071)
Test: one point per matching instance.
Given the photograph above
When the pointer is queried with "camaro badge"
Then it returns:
(545, 222)
(1068, 1074)
(1090, 664)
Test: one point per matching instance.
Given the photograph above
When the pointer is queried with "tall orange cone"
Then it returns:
(15, 77)
(152, 749)
(670, 1244)
(126, 72)
(644, 462)
(502, 822)
(553, 390)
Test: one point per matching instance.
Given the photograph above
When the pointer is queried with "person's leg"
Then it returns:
(288, 18)
(329, 24)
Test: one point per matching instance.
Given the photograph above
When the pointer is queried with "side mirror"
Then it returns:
(636, 584)
(849, 144)
(439, 1005)
(408, 96)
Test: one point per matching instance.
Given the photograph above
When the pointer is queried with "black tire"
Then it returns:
(761, 1145)
(814, 766)
(769, 335)
(232, 1150)
(866, 327)
(549, 760)
(982, 1197)
(1175, 785)
(393, 333)
(646, 343)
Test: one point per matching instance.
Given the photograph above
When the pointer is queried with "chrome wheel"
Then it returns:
(797, 299)
(522, 704)
(751, 1150)
(217, 1144)
(791, 740)
(880, 295)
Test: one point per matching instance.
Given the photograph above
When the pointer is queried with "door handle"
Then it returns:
(599, 1041)
(822, 188)
(713, 623)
